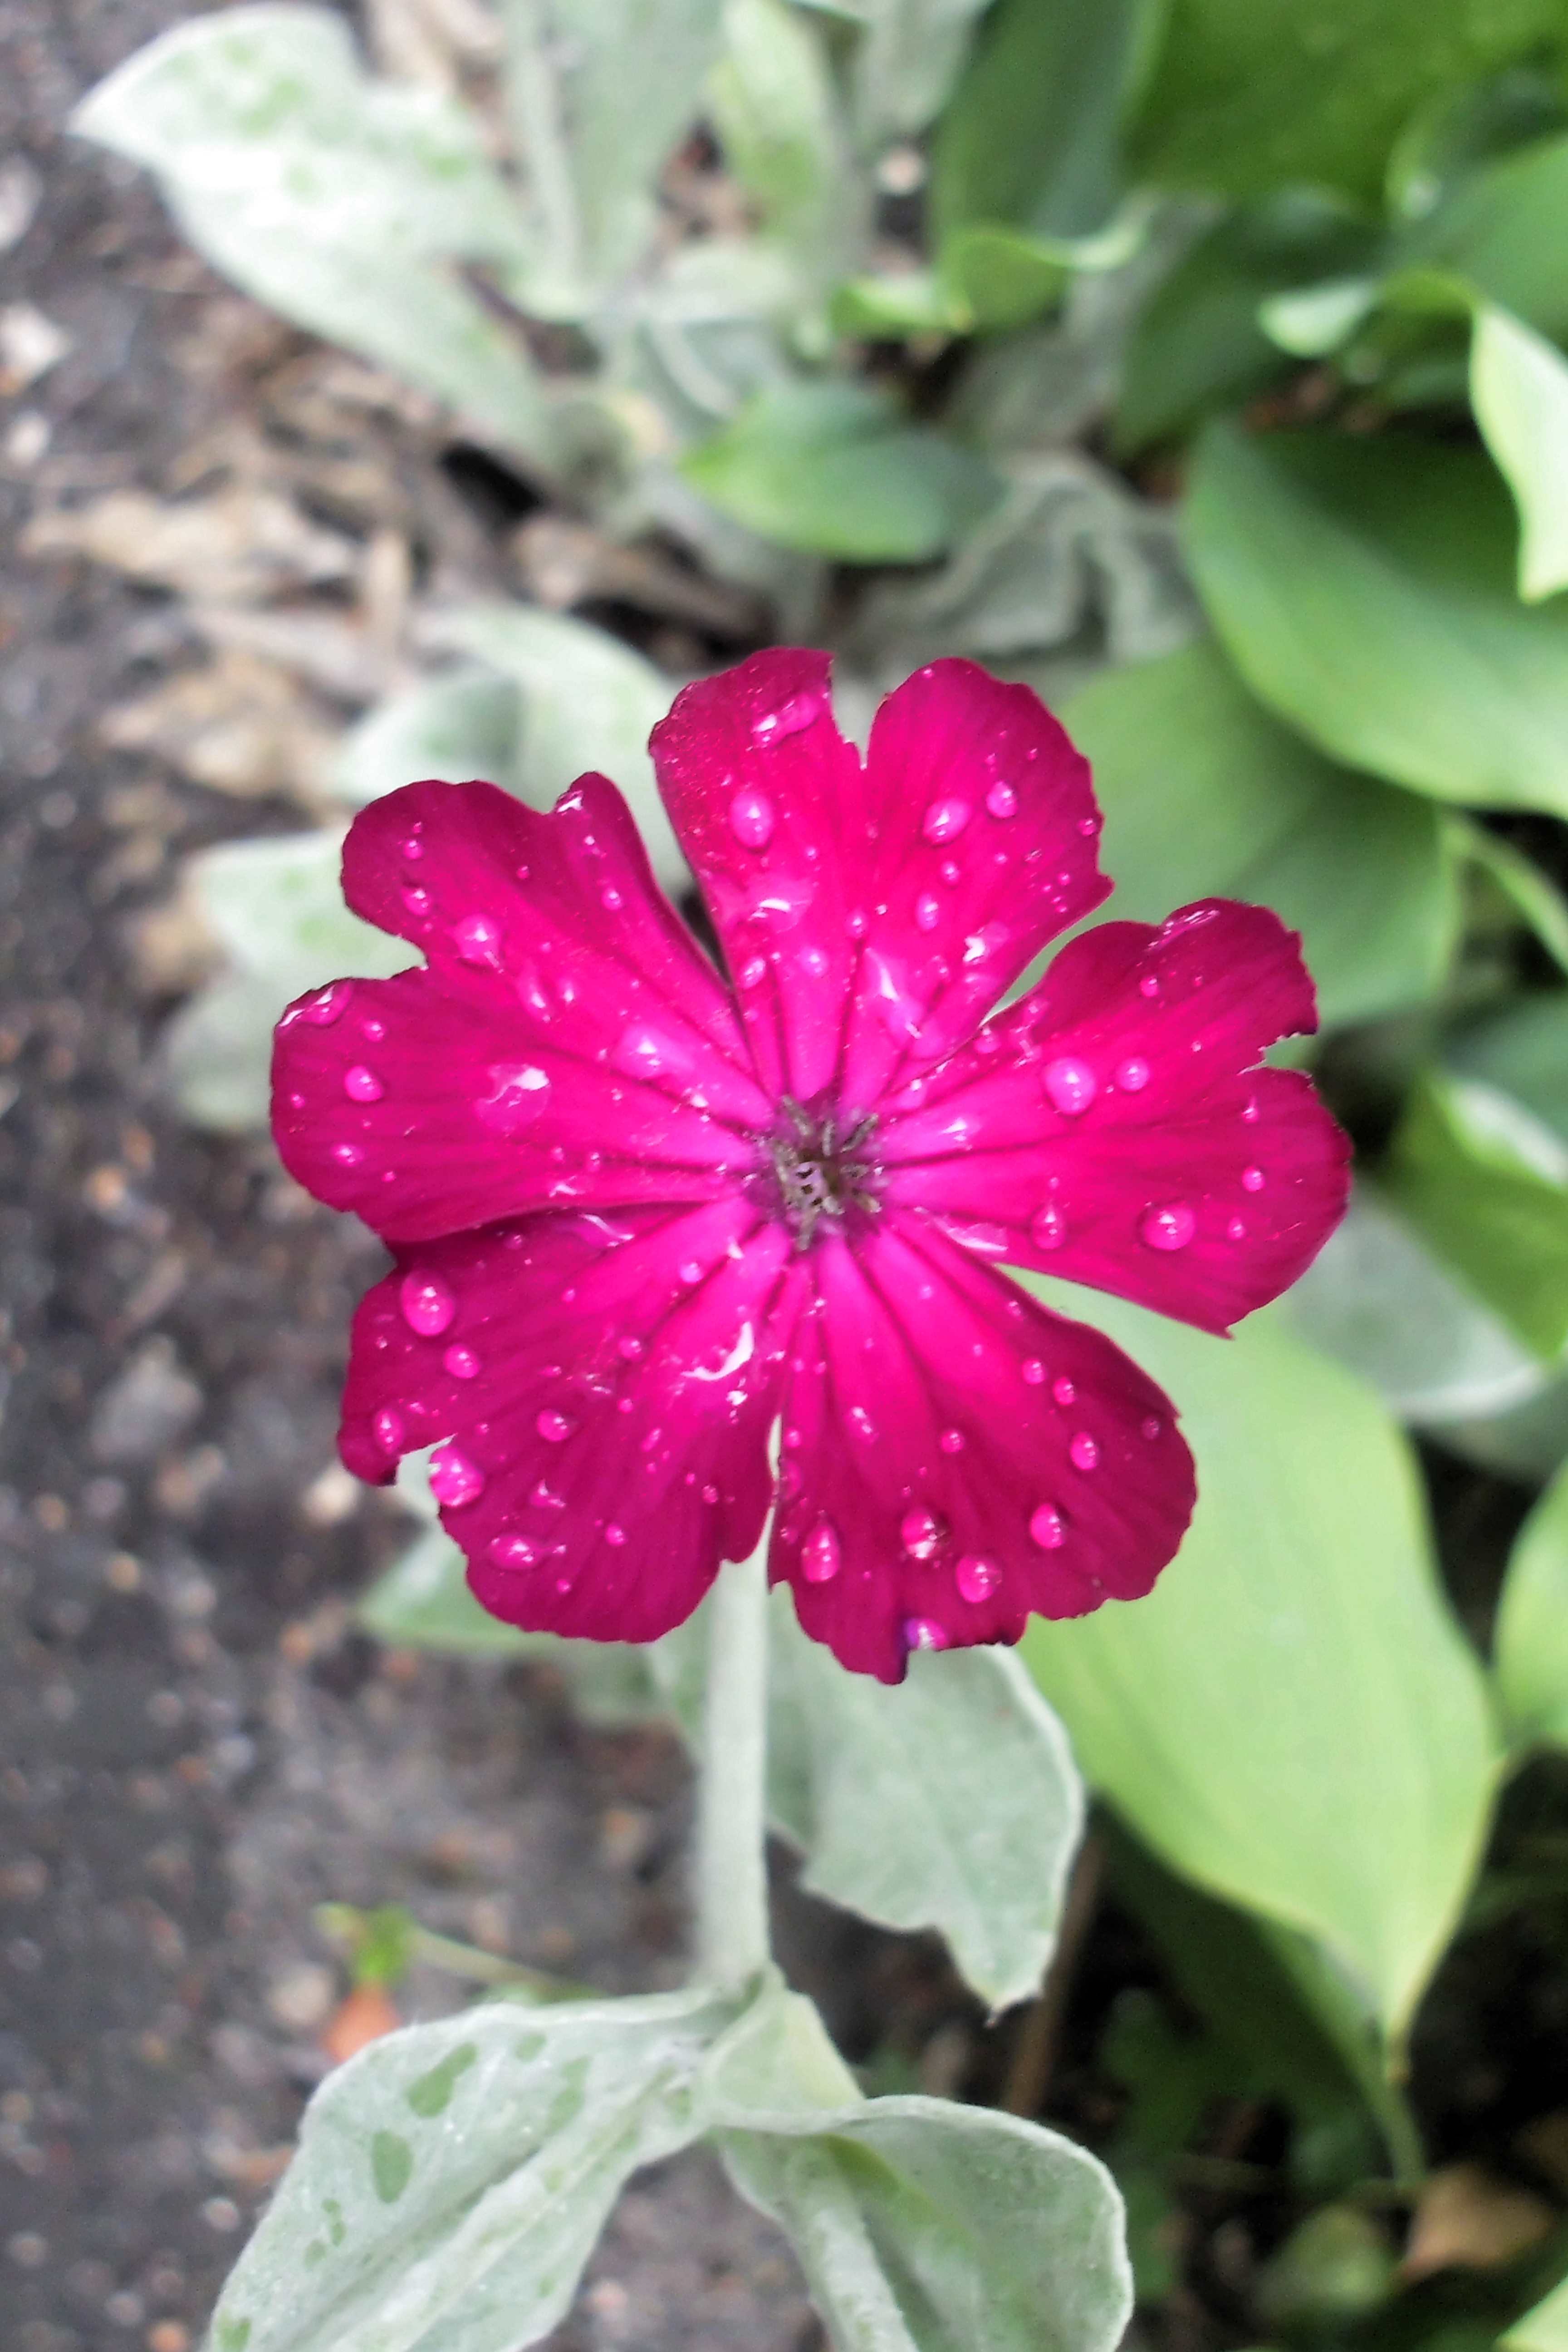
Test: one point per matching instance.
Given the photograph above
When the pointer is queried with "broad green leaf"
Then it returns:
(951, 1802)
(923, 2226)
(1523, 1052)
(1532, 1640)
(1487, 1186)
(1291, 1719)
(1519, 389)
(342, 203)
(276, 907)
(1499, 228)
(779, 121)
(1030, 139)
(829, 466)
(1448, 140)
(906, 61)
(1251, 94)
(452, 2179)
(1365, 589)
(1207, 795)
(1544, 2328)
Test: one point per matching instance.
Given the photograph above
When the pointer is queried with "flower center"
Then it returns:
(822, 1169)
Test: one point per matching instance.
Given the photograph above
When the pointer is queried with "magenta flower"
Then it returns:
(640, 1217)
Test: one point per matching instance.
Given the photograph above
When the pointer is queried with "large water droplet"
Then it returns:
(1064, 1391)
(454, 1479)
(976, 1577)
(791, 718)
(388, 1427)
(478, 939)
(555, 1427)
(922, 1533)
(751, 819)
(461, 1362)
(1069, 1084)
(1002, 801)
(1047, 1227)
(512, 1551)
(517, 1096)
(1046, 1527)
(952, 1441)
(1170, 1226)
(923, 1633)
(945, 819)
(820, 1557)
(1253, 1180)
(428, 1304)
(1083, 1452)
(362, 1085)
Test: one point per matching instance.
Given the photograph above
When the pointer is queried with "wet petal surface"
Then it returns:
(1112, 1128)
(953, 1456)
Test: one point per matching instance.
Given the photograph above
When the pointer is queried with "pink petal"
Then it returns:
(870, 915)
(568, 1042)
(1111, 1127)
(954, 1456)
(606, 1386)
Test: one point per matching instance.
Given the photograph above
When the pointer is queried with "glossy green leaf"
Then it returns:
(1499, 228)
(452, 2179)
(1487, 1186)
(1292, 1718)
(1519, 389)
(341, 201)
(830, 467)
(1365, 589)
(1543, 2329)
(1031, 136)
(1531, 1646)
(1207, 795)
(1251, 94)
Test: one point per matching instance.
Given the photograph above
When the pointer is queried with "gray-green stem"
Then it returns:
(732, 1879)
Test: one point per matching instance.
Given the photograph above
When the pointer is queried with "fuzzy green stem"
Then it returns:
(732, 1879)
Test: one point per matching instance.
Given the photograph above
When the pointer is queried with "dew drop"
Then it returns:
(412, 848)
(329, 1004)
(923, 1633)
(1168, 1227)
(1070, 1084)
(1083, 1452)
(1033, 1371)
(751, 819)
(461, 1362)
(518, 1091)
(454, 1479)
(976, 1577)
(387, 1425)
(349, 1155)
(545, 1499)
(628, 1347)
(928, 912)
(1047, 1227)
(1236, 1229)
(1064, 1391)
(691, 1271)
(791, 718)
(1250, 1110)
(611, 900)
(819, 1555)
(1151, 1426)
(1046, 1527)
(615, 1535)
(428, 1304)
(945, 819)
(753, 972)
(1252, 1179)
(1149, 985)
(922, 1533)
(555, 1427)
(1002, 801)
(362, 1085)
(1090, 825)
(952, 1441)
(416, 899)
(1133, 1075)
(478, 939)
(512, 1551)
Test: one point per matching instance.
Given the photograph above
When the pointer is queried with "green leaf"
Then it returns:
(1543, 2329)
(452, 2179)
(1250, 94)
(1499, 228)
(1532, 1640)
(906, 62)
(1487, 1186)
(1365, 589)
(776, 110)
(1519, 389)
(341, 203)
(456, 727)
(1207, 795)
(276, 908)
(1523, 1052)
(922, 2226)
(830, 467)
(1031, 137)
(1291, 1719)
(1533, 897)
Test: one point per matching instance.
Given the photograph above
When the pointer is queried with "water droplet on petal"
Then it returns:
(412, 848)
(512, 1551)
(1083, 1452)
(791, 718)
(691, 1271)
(1236, 1229)
(1034, 1372)
(461, 1362)
(1151, 1426)
(416, 899)
(1149, 985)
(454, 1479)
(1047, 1227)
(349, 1155)
(517, 1096)
(945, 819)
(388, 1427)
(1002, 801)
(428, 1304)
(976, 1577)
(545, 1499)
(751, 819)
(1046, 1527)
(928, 912)
(1250, 1109)
(478, 939)
(923, 1633)
(1070, 1084)
(362, 1085)
(611, 900)
(555, 1427)
(753, 972)
(952, 1441)
(819, 1554)
(1169, 1227)
(615, 1535)
(1252, 1179)
(922, 1533)
(1133, 1075)
(1064, 1391)
(328, 1005)
(1090, 825)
